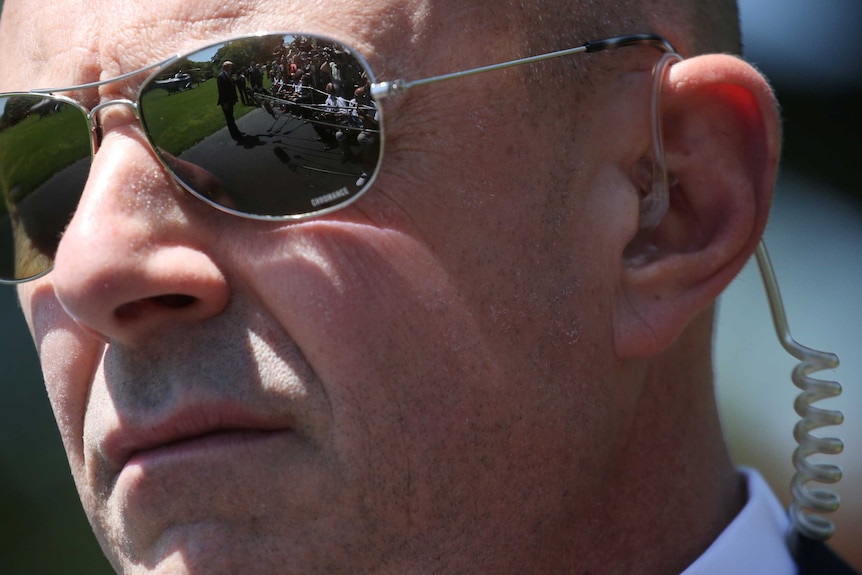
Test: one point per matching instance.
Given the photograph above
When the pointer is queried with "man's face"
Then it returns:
(418, 379)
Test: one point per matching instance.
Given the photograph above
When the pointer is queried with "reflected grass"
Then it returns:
(180, 120)
(36, 148)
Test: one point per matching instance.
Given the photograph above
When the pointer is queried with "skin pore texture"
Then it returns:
(460, 372)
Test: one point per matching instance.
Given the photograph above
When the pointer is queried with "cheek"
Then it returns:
(428, 418)
(68, 358)
(372, 307)
(401, 356)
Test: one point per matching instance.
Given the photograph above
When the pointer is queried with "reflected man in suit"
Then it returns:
(227, 98)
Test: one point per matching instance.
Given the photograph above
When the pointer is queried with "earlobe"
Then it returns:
(721, 144)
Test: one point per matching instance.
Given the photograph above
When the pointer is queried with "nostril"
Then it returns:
(139, 308)
(175, 300)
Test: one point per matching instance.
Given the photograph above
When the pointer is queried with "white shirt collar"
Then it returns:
(754, 542)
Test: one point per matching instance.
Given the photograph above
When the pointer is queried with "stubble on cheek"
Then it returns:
(69, 359)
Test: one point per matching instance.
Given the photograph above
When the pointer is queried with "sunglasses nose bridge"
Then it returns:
(94, 116)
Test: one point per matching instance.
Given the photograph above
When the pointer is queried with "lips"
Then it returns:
(194, 428)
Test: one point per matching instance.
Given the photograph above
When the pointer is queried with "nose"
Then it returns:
(136, 255)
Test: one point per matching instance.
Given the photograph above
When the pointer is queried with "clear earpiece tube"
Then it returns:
(655, 204)
(806, 500)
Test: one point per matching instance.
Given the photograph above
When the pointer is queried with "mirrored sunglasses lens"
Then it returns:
(44, 161)
(271, 126)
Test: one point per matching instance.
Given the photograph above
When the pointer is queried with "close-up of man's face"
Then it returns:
(359, 392)
(386, 287)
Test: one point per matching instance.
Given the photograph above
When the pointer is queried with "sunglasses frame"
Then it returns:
(157, 69)
(379, 91)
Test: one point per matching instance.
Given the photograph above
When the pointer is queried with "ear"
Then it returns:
(722, 143)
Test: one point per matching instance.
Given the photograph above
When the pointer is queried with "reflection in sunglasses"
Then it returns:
(44, 159)
(284, 140)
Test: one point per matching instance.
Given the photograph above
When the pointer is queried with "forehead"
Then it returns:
(79, 41)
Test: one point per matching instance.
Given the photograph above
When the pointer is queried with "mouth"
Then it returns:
(194, 432)
(211, 444)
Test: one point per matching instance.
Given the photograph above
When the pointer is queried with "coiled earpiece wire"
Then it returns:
(808, 504)
(811, 525)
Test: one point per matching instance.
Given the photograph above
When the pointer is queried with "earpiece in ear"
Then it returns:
(655, 203)
(652, 208)
(653, 198)
(651, 177)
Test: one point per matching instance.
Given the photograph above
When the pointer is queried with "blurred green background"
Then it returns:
(813, 53)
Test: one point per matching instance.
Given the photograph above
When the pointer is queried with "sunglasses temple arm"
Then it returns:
(98, 83)
(385, 89)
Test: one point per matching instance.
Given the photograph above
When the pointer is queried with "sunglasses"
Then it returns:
(270, 127)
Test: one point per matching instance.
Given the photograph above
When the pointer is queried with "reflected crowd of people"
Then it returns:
(323, 84)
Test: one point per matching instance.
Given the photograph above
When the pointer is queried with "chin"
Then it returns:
(199, 549)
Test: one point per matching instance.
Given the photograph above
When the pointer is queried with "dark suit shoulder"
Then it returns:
(816, 558)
